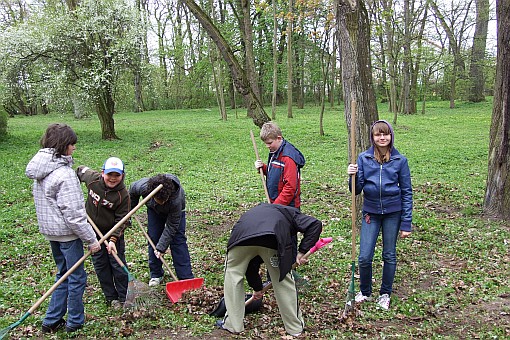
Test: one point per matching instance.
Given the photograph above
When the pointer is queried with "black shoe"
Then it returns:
(54, 327)
(71, 329)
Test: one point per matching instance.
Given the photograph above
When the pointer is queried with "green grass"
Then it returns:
(452, 279)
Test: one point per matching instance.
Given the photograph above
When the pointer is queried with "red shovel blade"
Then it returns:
(175, 289)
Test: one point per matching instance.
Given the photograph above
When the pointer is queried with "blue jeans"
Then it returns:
(178, 246)
(68, 296)
(370, 227)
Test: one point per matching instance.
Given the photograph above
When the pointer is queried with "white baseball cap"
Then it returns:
(113, 164)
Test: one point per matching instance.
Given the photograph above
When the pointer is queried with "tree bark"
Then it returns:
(275, 63)
(290, 80)
(497, 192)
(255, 109)
(476, 74)
(353, 44)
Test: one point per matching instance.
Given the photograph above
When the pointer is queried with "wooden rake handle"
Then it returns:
(261, 171)
(114, 253)
(353, 180)
(154, 248)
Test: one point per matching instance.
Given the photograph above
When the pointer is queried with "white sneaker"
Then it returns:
(384, 301)
(155, 281)
(362, 298)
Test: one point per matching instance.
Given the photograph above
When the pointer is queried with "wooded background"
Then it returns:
(101, 57)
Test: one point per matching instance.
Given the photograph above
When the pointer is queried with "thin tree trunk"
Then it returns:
(476, 73)
(275, 63)
(290, 79)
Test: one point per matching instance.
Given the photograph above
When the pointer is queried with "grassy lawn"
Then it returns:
(453, 273)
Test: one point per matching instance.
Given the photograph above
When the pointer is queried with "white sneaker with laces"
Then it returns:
(362, 298)
(384, 301)
(155, 281)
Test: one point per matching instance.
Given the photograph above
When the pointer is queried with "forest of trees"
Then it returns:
(100, 57)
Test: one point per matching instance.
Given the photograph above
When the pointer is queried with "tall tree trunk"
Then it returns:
(105, 108)
(275, 63)
(353, 44)
(247, 34)
(255, 109)
(476, 74)
(290, 80)
(497, 192)
(390, 54)
(406, 63)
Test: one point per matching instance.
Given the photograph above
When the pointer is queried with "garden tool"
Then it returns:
(174, 289)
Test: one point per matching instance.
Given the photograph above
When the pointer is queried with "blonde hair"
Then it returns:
(270, 130)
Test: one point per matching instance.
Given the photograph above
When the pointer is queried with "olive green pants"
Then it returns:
(285, 291)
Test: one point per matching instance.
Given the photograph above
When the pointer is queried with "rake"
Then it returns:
(138, 295)
(174, 289)
(5, 331)
(349, 305)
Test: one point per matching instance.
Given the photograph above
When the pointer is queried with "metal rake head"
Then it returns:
(139, 295)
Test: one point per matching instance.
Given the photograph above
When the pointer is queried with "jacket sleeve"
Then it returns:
(69, 198)
(85, 174)
(172, 223)
(136, 190)
(121, 211)
(290, 182)
(406, 193)
(311, 229)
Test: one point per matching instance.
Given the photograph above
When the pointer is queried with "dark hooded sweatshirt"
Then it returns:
(105, 206)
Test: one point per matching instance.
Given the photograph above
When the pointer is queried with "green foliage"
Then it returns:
(453, 273)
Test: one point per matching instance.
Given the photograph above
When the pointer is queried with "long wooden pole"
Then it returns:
(261, 171)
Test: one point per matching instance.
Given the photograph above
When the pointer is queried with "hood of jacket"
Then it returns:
(44, 162)
(392, 142)
(289, 150)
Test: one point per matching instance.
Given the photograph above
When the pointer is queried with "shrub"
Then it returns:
(3, 124)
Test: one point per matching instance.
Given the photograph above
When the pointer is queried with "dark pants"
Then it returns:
(178, 246)
(113, 279)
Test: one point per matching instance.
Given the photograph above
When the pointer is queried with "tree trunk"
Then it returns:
(406, 63)
(497, 192)
(353, 45)
(105, 107)
(476, 74)
(255, 109)
(275, 63)
(290, 80)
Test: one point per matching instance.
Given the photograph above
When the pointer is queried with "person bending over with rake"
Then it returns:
(62, 220)
(107, 203)
(266, 231)
(166, 224)
(383, 175)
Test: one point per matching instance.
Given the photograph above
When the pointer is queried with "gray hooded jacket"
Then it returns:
(58, 198)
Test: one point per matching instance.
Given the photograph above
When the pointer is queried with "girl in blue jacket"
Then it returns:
(383, 175)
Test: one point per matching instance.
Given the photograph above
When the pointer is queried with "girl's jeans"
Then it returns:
(178, 246)
(370, 227)
(68, 296)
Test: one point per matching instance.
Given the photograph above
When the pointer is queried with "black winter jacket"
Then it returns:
(282, 222)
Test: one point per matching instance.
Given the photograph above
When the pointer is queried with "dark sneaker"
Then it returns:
(54, 327)
(71, 329)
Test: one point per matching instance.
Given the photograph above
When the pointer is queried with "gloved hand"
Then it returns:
(94, 247)
(258, 164)
(112, 248)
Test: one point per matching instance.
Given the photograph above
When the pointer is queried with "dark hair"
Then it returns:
(58, 137)
(166, 191)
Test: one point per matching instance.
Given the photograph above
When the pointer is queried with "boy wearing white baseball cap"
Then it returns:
(107, 203)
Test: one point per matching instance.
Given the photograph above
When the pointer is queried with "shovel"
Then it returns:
(5, 331)
(174, 289)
